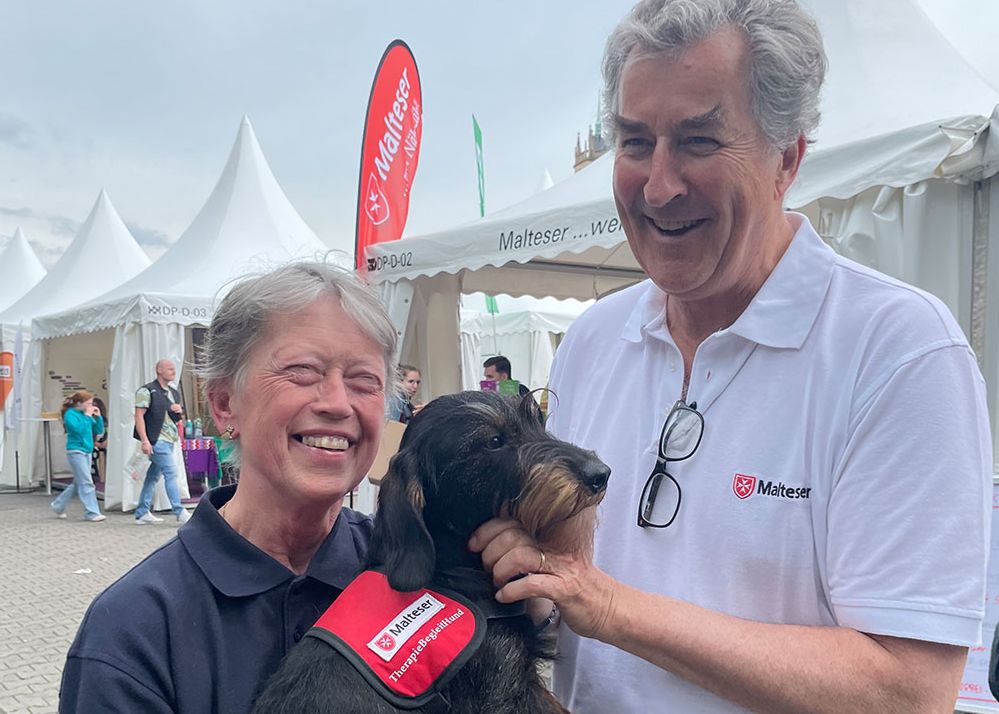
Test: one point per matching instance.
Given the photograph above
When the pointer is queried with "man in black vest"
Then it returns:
(154, 403)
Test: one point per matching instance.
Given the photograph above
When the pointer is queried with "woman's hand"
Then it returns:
(584, 594)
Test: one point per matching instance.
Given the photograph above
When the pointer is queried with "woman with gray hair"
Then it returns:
(296, 366)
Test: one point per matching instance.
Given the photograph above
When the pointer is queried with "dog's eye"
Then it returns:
(496, 442)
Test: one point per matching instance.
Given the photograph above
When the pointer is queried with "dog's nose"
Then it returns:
(594, 476)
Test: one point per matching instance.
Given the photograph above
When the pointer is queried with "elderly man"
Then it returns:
(798, 516)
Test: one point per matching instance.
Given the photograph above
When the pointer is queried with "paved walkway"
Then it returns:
(50, 570)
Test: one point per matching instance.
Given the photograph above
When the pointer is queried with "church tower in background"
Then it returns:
(595, 146)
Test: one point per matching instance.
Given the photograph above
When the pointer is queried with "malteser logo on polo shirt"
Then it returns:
(744, 486)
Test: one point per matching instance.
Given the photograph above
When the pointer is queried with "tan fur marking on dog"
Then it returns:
(415, 493)
(557, 510)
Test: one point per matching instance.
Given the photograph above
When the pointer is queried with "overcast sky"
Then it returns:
(144, 99)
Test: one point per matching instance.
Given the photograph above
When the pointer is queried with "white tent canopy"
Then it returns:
(891, 179)
(103, 254)
(20, 270)
(246, 225)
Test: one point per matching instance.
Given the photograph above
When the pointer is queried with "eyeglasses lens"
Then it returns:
(661, 500)
(681, 434)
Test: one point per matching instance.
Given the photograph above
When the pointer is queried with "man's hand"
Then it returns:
(176, 408)
(146, 447)
(585, 596)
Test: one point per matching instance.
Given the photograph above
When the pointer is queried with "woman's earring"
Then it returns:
(227, 434)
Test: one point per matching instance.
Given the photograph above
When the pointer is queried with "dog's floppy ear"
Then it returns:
(401, 542)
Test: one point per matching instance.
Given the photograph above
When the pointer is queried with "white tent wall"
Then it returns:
(920, 234)
(985, 296)
(471, 358)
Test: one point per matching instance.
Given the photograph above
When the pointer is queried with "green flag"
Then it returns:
(491, 307)
(478, 165)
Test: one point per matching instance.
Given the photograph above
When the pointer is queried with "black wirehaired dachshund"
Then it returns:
(464, 459)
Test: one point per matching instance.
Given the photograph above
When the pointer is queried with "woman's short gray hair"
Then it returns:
(787, 59)
(244, 314)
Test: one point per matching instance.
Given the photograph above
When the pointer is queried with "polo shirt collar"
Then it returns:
(782, 312)
(237, 568)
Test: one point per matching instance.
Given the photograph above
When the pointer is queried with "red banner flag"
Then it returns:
(390, 151)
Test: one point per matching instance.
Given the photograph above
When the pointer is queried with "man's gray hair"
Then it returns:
(787, 60)
(244, 315)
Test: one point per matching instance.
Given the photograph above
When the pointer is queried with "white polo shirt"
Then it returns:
(844, 475)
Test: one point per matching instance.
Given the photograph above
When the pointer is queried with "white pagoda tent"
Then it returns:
(901, 177)
(20, 270)
(246, 225)
(103, 254)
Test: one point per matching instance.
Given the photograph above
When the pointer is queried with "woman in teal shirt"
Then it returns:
(82, 420)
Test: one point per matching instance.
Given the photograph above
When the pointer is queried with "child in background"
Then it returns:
(82, 420)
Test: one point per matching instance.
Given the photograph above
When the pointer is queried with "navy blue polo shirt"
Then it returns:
(200, 624)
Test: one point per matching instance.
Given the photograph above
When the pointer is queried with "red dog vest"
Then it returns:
(406, 645)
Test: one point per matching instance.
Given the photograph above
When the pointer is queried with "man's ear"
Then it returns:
(790, 162)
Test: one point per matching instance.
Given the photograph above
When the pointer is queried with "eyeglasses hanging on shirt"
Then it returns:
(680, 437)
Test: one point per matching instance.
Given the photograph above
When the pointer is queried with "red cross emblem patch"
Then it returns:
(387, 642)
(743, 485)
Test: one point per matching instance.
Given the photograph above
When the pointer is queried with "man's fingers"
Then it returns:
(488, 531)
(530, 586)
(516, 562)
(509, 546)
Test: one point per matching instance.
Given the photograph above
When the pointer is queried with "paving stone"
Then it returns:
(45, 596)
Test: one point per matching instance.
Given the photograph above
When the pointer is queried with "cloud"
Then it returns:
(149, 236)
(62, 225)
(59, 224)
(15, 132)
(23, 212)
(48, 254)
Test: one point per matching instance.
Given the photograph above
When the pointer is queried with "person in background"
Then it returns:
(82, 421)
(296, 364)
(400, 402)
(100, 442)
(826, 424)
(498, 369)
(157, 413)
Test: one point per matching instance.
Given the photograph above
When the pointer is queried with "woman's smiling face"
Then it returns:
(309, 410)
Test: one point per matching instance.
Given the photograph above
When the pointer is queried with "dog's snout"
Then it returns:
(594, 475)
